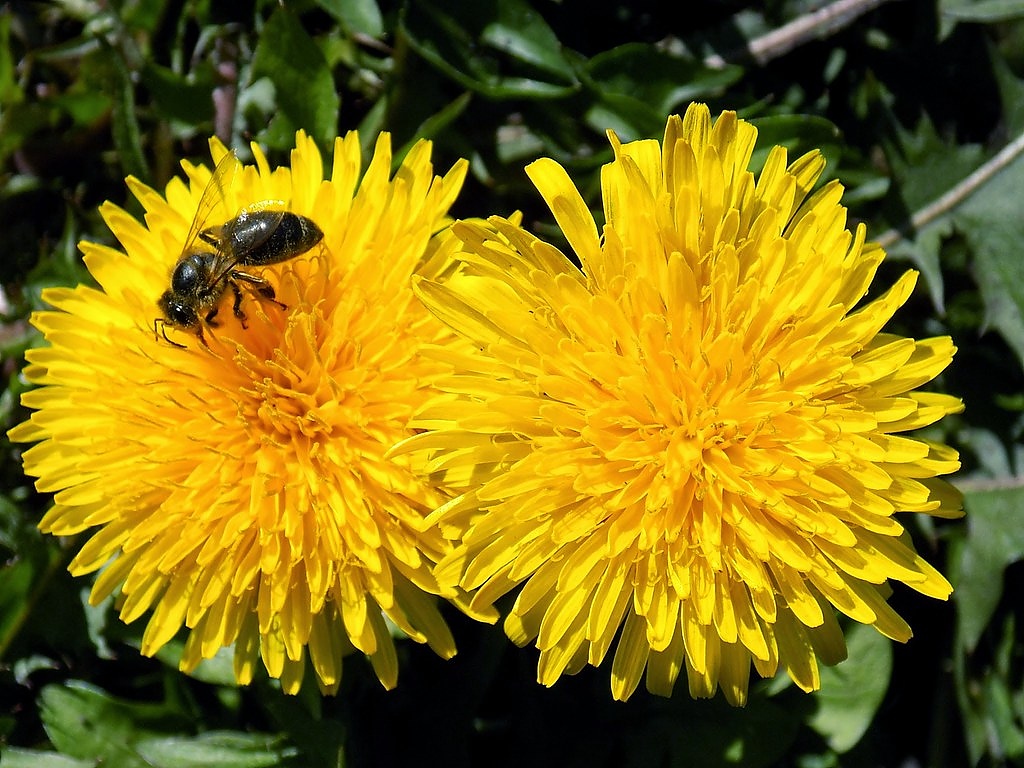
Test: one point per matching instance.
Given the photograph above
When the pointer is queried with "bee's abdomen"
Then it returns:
(268, 237)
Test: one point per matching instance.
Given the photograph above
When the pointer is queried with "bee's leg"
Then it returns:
(236, 304)
(211, 318)
(258, 285)
(199, 333)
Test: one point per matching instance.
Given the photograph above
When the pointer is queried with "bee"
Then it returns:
(212, 257)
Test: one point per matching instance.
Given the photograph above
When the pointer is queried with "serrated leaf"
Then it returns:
(995, 539)
(852, 691)
(991, 222)
(303, 83)
(922, 250)
(84, 721)
(449, 38)
(924, 165)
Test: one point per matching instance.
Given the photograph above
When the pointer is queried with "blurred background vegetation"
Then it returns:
(918, 106)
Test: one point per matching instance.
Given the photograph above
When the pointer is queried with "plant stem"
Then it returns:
(956, 195)
(817, 24)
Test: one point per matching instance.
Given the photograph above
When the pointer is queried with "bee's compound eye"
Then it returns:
(184, 315)
(177, 312)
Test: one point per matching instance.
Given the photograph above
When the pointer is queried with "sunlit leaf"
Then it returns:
(995, 525)
(991, 222)
(85, 722)
(983, 10)
(215, 749)
(449, 38)
(922, 249)
(11, 757)
(519, 31)
(852, 691)
(361, 16)
(10, 93)
(304, 85)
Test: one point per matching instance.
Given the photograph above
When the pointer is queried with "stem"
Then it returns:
(778, 42)
(956, 194)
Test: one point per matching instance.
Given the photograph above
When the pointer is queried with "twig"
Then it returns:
(781, 41)
(956, 195)
(984, 484)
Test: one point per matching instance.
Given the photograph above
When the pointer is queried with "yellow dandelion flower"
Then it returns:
(238, 480)
(694, 444)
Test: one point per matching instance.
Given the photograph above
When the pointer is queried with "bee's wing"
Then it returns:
(213, 194)
(271, 218)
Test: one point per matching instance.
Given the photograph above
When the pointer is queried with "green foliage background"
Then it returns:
(919, 108)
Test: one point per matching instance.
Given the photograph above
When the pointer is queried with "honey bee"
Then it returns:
(211, 257)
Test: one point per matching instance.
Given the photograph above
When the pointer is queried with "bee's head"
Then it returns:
(178, 313)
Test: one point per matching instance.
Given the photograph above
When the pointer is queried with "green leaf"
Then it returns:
(991, 222)
(995, 539)
(852, 691)
(24, 577)
(180, 98)
(799, 134)
(436, 123)
(218, 670)
(84, 721)
(922, 249)
(449, 39)
(304, 86)
(10, 93)
(357, 16)
(983, 10)
(1004, 707)
(105, 71)
(924, 165)
(11, 757)
(756, 737)
(522, 33)
(216, 749)
(639, 86)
